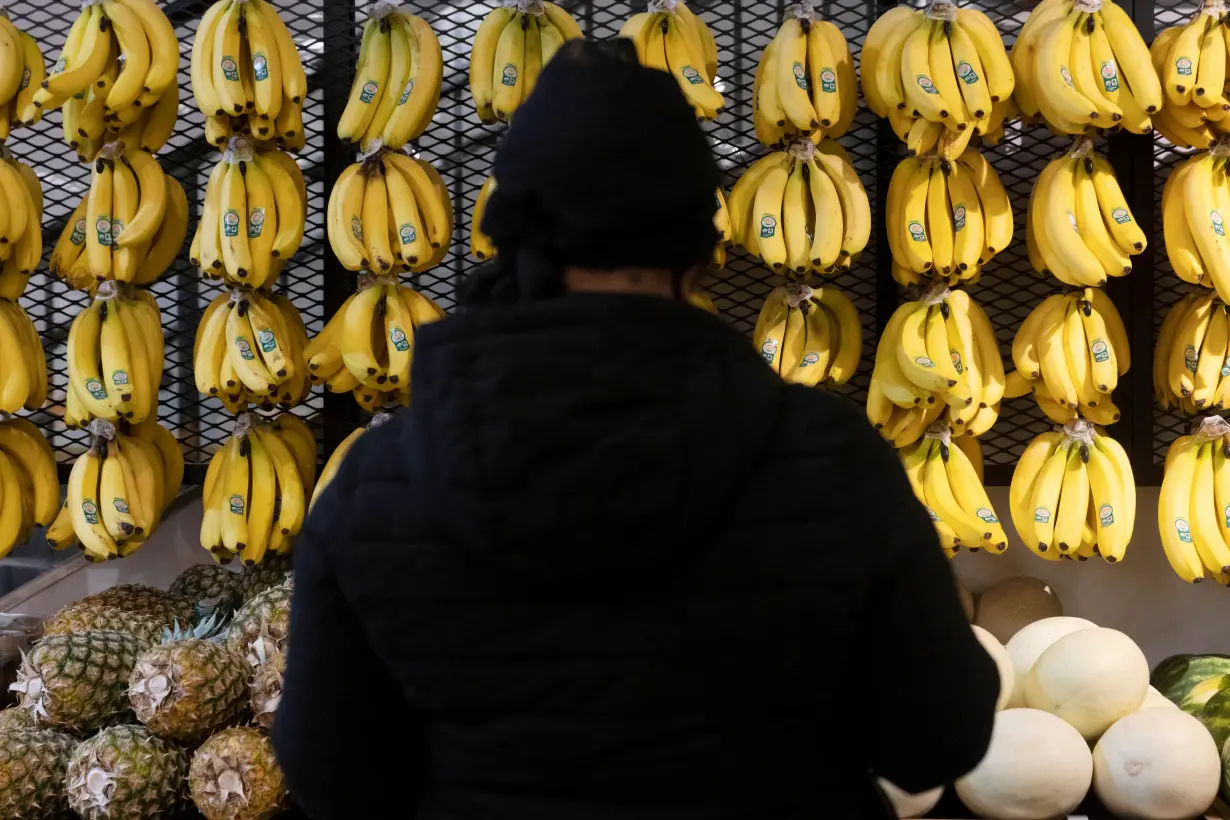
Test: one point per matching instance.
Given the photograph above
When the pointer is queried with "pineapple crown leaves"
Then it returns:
(212, 629)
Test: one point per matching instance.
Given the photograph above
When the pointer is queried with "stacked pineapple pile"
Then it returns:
(201, 740)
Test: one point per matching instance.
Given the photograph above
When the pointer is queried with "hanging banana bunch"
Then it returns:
(23, 377)
(940, 75)
(1070, 352)
(1195, 202)
(115, 358)
(247, 77)
(250, 350)
(1190, 59)
(1079, 226)
(801, 210)
(368, 346)
(948, 482)
(134, 100)
(946, 219)
(809, 336)
(1073, 495)
(671, 38)
(339, 454)
(938, 360)
(805, 82)
(128, 228)
(29, 485)
(513, 44)
(22, 72)
(1080, 70)
(390, 213)
(1190, 361)
(1195, 493)
(118, 490)
(254, 216)
(257, 488)
(21, 235)
(397, 81)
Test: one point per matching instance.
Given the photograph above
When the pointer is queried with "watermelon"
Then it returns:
(1216, 716)
(1225, 770)
(1176, 676)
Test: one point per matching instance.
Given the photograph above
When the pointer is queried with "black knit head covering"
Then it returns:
(604, 167)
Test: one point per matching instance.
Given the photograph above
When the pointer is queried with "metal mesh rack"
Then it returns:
(462, 150)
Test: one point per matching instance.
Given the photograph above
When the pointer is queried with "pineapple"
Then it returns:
(235, 776)
(126, 773)
(265, 618)
(77, 681)
(188, 686)
(270, 573)
(32, 763)
(267, 687)
(15, 717)
(98, 617)
(138, 598)
(216, 586)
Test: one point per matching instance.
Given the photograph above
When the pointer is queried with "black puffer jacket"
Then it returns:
(610, 566)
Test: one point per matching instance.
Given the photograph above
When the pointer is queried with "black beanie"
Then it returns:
(603, 167)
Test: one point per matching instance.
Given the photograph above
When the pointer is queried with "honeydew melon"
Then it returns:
(1030, 642)
(1002, 662)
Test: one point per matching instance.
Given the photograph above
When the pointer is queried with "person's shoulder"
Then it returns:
(818, 421)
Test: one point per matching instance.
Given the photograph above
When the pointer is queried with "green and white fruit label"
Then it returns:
(768, 226)
(810, 359)
(78, 235)
(1184, 530)
(1218, 223)
(60, 65)
(934, 518)
(1190, 358)
(1226, 515)
(958, 218)
(1121, 215)
(1099, 350)
(230, 222)
(407, 234)
(260, 66)
(405, 92)
(237, 503)
(398, 337)
(917, 232)
(117, 228)
(1183, 66)
(121, 506)
(1072, 219)
(230, 68)
(957, 364)
(267, 341)
(102, 228)
(923, 361)
(1042, 515)
(924, 82)
(966, 73)
(693, 76)
(1106, 515)
(90, 510)
(768, 350)
(828, 81)
(369, 91)
(509, 75)
(256, 221)
(800, 76)
(356, 228)
(119, 377)
(95, 388)
(245, 348)
(1110, 75)
(1225, 367)
(1066, 74)
(987, 516)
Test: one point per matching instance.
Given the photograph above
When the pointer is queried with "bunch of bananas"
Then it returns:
(1078, 225)
(481, 246)
(1191, 60)
(128, 228)
(801, 210)
(257, 488)
(21, 215)
(938, 359)
(946, 219)
(948, 481)
(1195, 493)
(254, 216)
(368, 346)
(29, 486)
(1195, 205)
(23, 376)
(809, 336)
(1070, 351)
(115, 358)
(103, 95)
(334, 462)
(805, 82)
(21, 75)
(673, 39)
(397, 82)
(390, 213)
(118, 490)
(1191, 368)
(250, 350)
(1081, 70)
(511, 47)
(939, 75)
(247, 77)
(1073, 495)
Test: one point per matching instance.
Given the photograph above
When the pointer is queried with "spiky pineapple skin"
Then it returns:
(152, 601)
(271, 572)
(99, 617)
(265, 616)
(142, 776)
(15, 717)
(184, 690)
(32, 766)
(267, 681)
(249, 754)
(211, 583)
(78, 681)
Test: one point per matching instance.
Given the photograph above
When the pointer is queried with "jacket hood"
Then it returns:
(591, 435)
